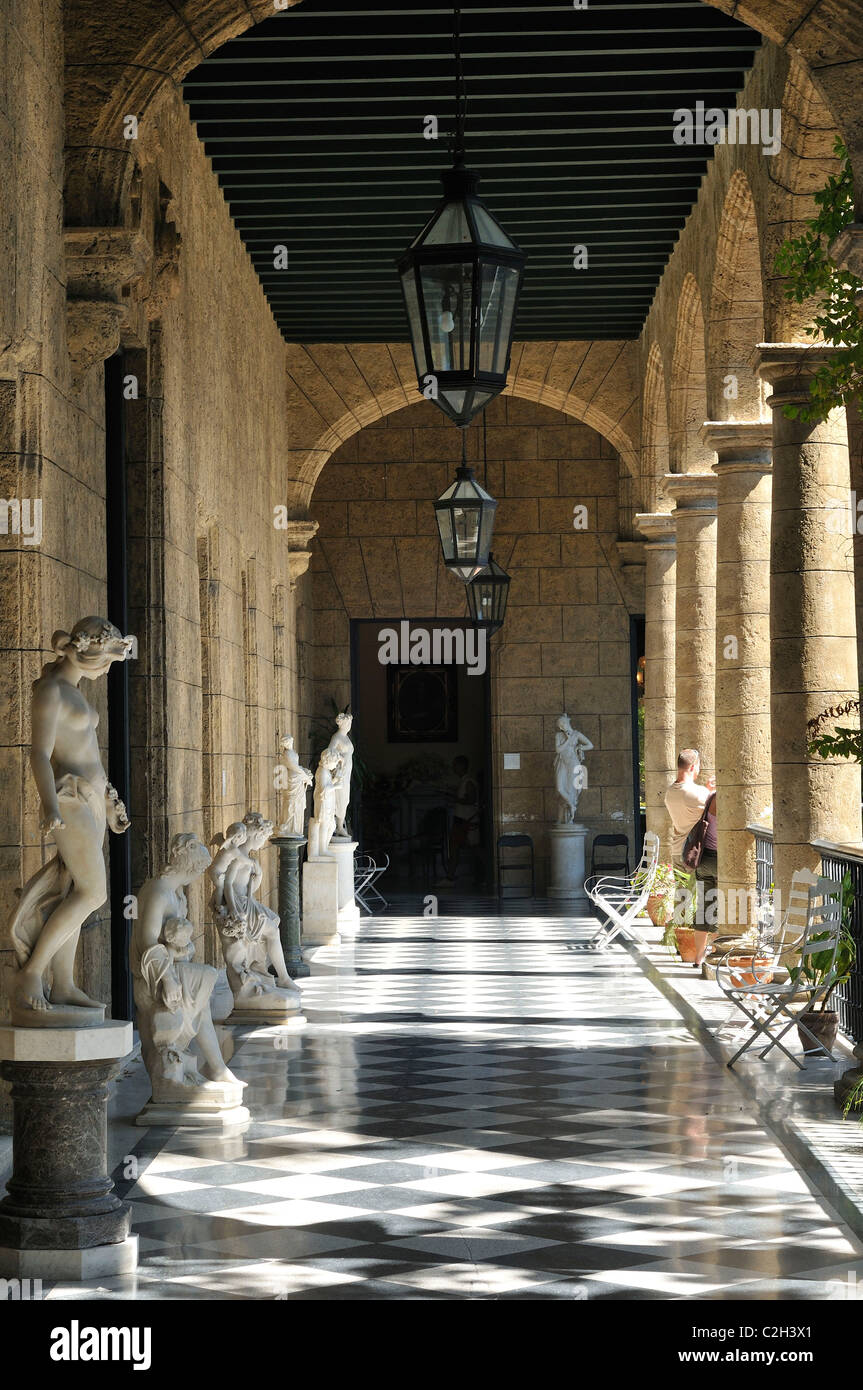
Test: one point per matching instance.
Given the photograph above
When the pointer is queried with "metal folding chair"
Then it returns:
(767, 1003)
(366, 873)
(622, 900)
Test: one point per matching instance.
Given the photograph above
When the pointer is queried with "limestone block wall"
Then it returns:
(565, 642)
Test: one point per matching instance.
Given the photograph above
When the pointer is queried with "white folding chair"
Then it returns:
(622, 900)
(767, 1003)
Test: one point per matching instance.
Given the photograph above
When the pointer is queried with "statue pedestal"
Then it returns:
(290, 848)
(321, 902)
(567, 844)
(61, 1218)
(277, 1006)
(349, 914)
(216, 1106)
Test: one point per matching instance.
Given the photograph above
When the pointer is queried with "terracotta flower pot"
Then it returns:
(659, 908)
(824, 1024)
(750, 972)
(685, 938)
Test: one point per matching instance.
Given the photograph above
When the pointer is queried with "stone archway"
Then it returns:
(688, 389)
(736, 316)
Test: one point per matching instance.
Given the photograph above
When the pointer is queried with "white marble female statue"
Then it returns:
(171, 991)
(299, 780)
(242, 879)
(569, 770)
(77, 802)
(328, 785)
(341, 745)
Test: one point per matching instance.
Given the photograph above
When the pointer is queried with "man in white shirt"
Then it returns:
(685, 800)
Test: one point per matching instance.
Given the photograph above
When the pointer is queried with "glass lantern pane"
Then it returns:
(466, 527)
(489, 229)
(455, 400)
(409, 286)
(448, 294)
(486, 530)
(451, 227)
(498, 285)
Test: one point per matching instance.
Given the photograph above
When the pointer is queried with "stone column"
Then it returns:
(813, 648)
(742, 651)
(695, 611)
(660, 748)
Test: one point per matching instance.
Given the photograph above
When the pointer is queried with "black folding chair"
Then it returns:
(514, 841)
(612, 842)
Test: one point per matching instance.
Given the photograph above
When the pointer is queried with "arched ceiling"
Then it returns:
(314, 123)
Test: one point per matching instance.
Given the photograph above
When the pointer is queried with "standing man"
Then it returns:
(685, 801)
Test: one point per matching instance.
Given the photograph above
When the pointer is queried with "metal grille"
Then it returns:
(763, 869)
(848, 998)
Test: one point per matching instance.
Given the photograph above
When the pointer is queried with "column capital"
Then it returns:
(657, 528)
(300, 533)
(789, 369)
(631, 552)
(739, 444)
(691, 492)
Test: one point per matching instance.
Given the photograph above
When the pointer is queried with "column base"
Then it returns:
(93, 1262)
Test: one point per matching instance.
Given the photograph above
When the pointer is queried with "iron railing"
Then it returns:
(836, 862)
(763, 867)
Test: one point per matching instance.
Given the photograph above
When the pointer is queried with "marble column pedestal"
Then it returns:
(61, 1217)
(349, 914)
(321, 902)
(567, 843)
(290, 848)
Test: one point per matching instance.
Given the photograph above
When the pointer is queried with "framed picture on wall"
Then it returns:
(422, 704)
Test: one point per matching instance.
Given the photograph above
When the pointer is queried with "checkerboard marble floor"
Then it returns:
(477, 1109)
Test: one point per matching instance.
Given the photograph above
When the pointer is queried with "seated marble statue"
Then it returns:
(299, 780)
(171, 991)
(77, 803)
(249, 930)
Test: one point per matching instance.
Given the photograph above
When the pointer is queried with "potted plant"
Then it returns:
(674, 908)
(813, 971)
(660, 904)
(746, 967)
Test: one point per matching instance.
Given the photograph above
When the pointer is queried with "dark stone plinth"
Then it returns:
(290, 850)
(59, 1195)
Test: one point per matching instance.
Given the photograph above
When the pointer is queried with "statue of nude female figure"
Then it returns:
(77, 803)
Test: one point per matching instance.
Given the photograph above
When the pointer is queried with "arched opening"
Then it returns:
(736, 310)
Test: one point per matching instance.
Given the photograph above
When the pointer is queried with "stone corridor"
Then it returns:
(477, 1109)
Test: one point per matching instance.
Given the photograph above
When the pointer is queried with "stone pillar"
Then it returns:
(660, 747)
(61, 1217)
(695, 611)
(813, 649)
(290, 848)
(742, 651)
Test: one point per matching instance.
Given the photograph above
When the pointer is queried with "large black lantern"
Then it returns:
(487, 594)
(460, 280)
(465, 520)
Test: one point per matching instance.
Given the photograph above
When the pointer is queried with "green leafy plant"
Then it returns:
(837, 317)
(666, 883)
(843, 742)
(816, 968)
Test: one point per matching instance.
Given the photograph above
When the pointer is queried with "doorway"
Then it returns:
(421, 697)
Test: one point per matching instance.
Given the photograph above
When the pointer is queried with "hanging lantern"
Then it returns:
(465, 520)
(487, 594)
(460, 280)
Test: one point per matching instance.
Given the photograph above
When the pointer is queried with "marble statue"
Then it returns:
(328, 785)
(341, 745)
(299, 781)
(77, 803)
(249, 930)
(172, 992)
(569, 768)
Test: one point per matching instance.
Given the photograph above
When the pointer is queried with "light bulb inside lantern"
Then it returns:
(446, 321)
